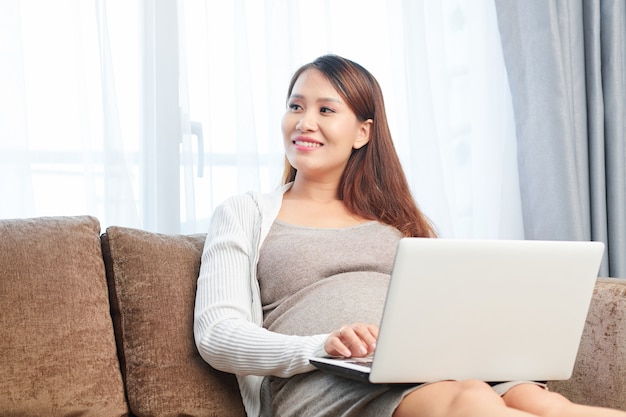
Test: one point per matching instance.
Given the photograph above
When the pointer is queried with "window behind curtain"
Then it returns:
(81, 131)
(440, 67)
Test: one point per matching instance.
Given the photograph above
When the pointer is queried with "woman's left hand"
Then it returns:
(354, 340)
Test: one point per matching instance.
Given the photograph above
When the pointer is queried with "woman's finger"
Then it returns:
(357, 340)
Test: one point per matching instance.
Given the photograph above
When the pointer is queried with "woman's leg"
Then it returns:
(540, 402)
(456, 398)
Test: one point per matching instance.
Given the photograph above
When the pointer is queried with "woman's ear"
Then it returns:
(363, 136)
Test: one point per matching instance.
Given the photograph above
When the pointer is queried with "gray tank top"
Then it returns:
(313, 280)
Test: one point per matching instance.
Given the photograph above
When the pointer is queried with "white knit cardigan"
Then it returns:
(228, 316)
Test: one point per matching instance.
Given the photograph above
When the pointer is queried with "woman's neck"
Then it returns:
(319, 192)
(316, 204)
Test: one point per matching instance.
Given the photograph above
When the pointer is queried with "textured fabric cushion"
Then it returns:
(153, 283)
(600, 372)
(57, 349)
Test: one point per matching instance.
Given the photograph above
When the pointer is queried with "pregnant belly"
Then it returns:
(330, 303)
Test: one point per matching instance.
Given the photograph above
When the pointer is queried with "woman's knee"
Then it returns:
(472, 397)
(473, 393)
(450, 398)
(537, 400)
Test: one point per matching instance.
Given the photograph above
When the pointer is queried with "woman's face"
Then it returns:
(319, 129)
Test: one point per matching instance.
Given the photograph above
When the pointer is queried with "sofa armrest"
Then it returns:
(599, 376)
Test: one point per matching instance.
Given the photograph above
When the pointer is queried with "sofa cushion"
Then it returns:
(153, 280)
(599, 376)
(57, 348)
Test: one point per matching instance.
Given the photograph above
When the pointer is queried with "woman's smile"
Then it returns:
(304, 143)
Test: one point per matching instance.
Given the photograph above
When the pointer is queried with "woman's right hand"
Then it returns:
(355, 340)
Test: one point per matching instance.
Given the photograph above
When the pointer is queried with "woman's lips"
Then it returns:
(306, 143)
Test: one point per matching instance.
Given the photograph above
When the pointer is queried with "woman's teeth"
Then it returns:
(308, 144)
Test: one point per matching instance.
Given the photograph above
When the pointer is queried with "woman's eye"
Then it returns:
(326, 110)
(294, 107)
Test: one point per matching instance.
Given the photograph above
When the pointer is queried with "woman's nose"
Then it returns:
(306, 123)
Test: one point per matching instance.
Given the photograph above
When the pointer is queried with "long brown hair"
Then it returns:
(373, 184)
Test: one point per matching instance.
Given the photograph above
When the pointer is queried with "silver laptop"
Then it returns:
(488, 310)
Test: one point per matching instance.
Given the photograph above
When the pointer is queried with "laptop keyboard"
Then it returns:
(367, 362)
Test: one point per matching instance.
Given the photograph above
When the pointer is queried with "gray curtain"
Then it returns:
(565, 62)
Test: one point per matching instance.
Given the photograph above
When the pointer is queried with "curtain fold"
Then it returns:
(16, 174)
(118, 196)
(565, 61)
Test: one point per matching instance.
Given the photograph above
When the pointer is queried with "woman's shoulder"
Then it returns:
(252, 204)
(239, 208)
(239, 200)
(254, 199)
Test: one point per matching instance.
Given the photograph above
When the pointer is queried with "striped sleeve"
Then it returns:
(228, 317)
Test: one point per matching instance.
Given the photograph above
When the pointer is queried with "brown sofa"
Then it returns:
(101, 325)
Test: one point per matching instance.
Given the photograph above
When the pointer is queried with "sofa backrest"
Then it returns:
(152, 279)
(102, 325)
(57, 347)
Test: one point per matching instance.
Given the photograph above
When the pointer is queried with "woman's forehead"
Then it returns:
(312, 81)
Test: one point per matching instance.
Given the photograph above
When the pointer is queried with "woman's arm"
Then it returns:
(228, 316)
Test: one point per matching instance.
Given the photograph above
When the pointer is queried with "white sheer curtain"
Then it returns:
(69, 115)
(440, 67)
(90, 125)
